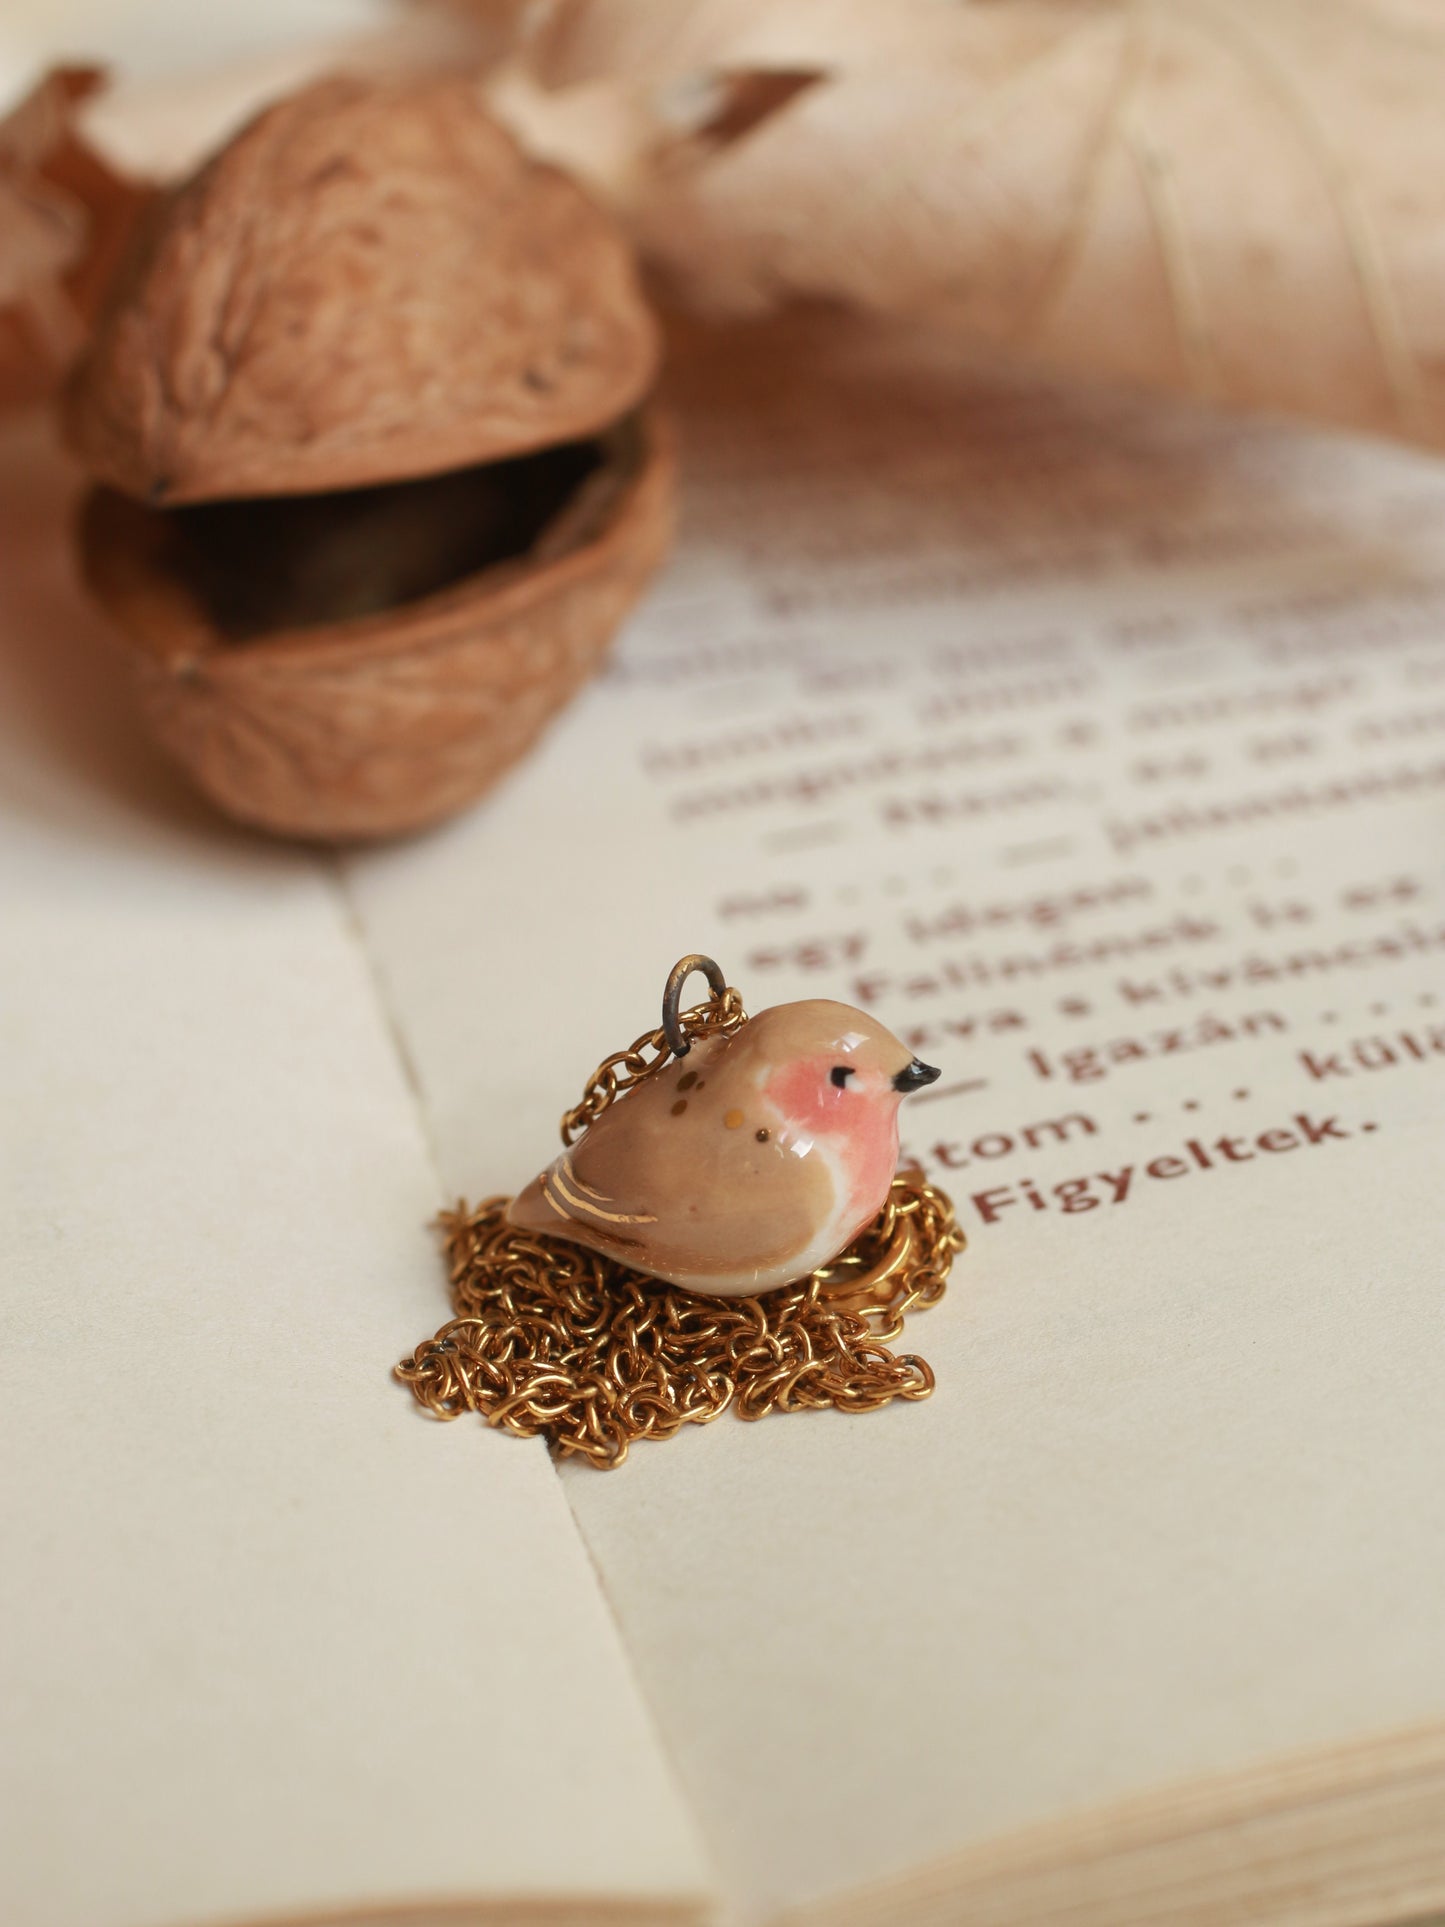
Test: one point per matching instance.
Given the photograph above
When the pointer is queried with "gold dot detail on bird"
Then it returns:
(593, 1317)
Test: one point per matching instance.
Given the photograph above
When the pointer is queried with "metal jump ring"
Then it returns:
(672, 1028)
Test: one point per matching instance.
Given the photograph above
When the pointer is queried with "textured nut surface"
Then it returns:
(377, 726)
(370, 282)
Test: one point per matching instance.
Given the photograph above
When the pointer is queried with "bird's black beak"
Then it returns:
(914, 1076)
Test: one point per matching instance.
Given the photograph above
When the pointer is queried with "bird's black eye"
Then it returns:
(840, 1074)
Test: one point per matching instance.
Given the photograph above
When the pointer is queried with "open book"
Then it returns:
(1099, 748)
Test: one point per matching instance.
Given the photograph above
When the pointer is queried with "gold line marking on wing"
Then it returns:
(571, 1191)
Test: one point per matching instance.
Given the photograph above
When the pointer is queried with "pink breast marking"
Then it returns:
(862, 1130)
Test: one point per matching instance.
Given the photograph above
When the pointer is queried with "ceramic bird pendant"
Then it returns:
(745, 1164)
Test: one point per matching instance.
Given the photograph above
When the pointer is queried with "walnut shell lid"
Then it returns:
(370, 282)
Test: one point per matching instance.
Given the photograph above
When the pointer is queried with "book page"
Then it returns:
(1096, 747)
(271, 1646)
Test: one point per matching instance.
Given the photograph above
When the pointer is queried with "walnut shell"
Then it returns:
(370, 281)
(380, 490)
(388, 722)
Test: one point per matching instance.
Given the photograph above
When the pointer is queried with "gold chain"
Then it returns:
(646, 1054)
(553, 1340)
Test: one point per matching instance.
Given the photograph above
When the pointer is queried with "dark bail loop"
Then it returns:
(677, 1038)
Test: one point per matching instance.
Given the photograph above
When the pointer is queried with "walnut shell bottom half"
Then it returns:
(384, 723)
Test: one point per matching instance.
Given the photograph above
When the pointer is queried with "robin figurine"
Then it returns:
(745, 1164)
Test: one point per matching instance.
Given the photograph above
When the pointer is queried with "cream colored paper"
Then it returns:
(956, 678)
(272, 1643)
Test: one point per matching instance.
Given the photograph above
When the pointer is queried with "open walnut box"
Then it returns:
(377, 476)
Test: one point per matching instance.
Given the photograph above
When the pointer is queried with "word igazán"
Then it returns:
(1087, 1063)
(1195, 1156)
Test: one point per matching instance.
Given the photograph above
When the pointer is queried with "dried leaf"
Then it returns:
(64, 216)
(1241, 198)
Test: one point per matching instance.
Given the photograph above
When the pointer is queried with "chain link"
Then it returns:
(553, 1340)
(646, 1054)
